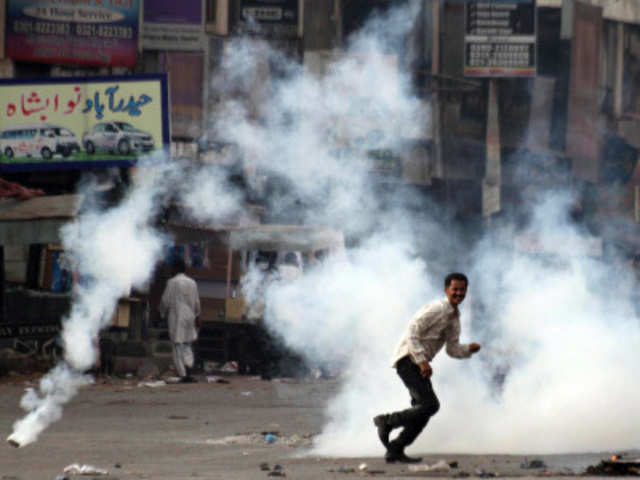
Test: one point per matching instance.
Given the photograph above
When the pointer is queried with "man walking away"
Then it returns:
(430, 328)
(180, 306)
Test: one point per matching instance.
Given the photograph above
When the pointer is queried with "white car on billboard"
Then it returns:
(117, 137)
(38, 140)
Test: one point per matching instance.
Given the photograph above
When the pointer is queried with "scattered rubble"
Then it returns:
(617, 465)
(214, 379)
(156, 384)
(229, 367)
(461, 474)
(480, 472)
(260, 438)
(439, 466)
(77, 469)
(533, 464)
(277, 471)
(342, 469)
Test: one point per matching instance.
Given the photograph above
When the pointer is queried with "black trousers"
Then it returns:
(424, 404)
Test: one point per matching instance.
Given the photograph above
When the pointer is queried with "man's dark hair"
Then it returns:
(455, 276)
(179, 265)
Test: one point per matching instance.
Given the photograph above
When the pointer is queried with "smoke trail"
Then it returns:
(113, 250)
(554, 374)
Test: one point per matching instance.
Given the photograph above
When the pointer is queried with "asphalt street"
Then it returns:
(143, 430)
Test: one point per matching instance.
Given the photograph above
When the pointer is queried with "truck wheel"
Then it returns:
(90, 148)
(8, 152)
(46, 153)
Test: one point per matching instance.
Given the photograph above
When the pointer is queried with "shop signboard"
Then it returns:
(83, 122)
(91, 32)
(500, 38)
(277, 18)
(171, 25)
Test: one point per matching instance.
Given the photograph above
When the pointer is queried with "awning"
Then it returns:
(37, 220)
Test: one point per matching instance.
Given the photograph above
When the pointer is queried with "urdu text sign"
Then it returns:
(75, 106)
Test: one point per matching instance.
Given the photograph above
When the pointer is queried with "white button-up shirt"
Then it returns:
(180, 305)
(430, 328)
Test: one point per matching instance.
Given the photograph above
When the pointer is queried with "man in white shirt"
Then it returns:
(433, 326)
(180, 305)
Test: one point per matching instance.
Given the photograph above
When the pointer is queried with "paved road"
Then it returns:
(208, 431)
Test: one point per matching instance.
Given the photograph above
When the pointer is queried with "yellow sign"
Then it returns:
(84, 122)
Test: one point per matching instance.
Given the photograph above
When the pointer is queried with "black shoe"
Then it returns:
(393, 457)
(188, 379)
(383, 429)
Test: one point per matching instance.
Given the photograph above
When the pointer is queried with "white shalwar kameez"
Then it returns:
(180, 305)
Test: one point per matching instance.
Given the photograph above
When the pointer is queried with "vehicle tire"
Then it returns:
(66, 152)
(90, 148)
(46, 153)
(124, 147)
(8, 152)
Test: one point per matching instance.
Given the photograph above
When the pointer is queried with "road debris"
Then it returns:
(439, 466)
(533, 464)
(270, 437)
(229, 367)
(277, 471)
(77, 469)
(617, 465)
(342, 469)
(260, 438)
(482, 473)
(215, 379)
(156, 384)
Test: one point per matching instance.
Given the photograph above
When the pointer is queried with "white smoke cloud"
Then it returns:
(114, 249)
(559, 326)
(556, 368)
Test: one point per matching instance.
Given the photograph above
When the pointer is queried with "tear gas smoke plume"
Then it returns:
(554, 372)
(559, 334)
(113, 250)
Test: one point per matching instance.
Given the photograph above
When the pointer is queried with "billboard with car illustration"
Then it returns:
(82, 122)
